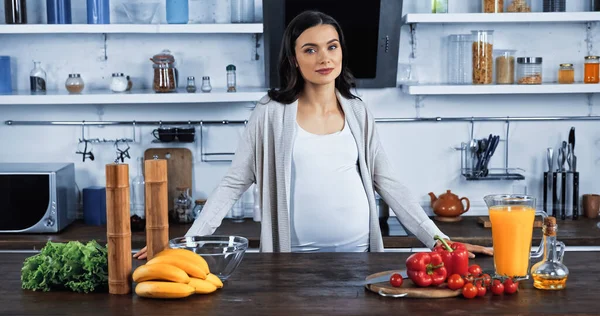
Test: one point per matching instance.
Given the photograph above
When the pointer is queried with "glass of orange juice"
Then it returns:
(512, 217)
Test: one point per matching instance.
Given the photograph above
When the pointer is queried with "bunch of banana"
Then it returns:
(175, 273)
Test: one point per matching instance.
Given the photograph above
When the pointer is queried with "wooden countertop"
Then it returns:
(582, 232)
(308, 284)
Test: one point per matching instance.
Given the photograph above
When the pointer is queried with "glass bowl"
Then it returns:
(222, 253)
(140, 13)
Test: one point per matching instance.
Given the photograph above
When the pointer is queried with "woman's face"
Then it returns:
(319, 55)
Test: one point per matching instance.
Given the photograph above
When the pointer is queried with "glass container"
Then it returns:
(206, 87)
(518, 6)
(483, 60)
(591, 69)
(492, 6)
(138, 198)
(237, 211)
(439, 6)
(529, 70)
(460, 59)
(182, 206)
(15, 11)
(177, 11)
(231, 81)
(191, 84)
(5, 75)
(118, 83)
(595, 5)
(554, 5)
(74, 83)
(37, 78)
(505, 66)
(165, 72)
(566, 74)
(199, 205)
(550, 273)
(58, 11)
(242, 11)
(98, 12)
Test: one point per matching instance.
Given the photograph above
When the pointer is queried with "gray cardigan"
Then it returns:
(264, 157)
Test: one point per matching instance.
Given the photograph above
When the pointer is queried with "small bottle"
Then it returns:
(550, 273)
(231, 78)
(37, 78)
(183, 208)
(118, 83)
(198, 208)
(15, 11)
(206, 87)
(138, 198)
(566, 74)
(74, 84)
(591, 69)
(191, 84)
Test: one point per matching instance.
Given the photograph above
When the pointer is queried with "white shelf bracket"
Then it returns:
(256, 37)
(419, 104)
(413, 40)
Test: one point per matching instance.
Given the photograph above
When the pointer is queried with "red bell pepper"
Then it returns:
(455, 257)
(426, 268)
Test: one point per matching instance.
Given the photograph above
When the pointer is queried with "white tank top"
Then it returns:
(329, 210)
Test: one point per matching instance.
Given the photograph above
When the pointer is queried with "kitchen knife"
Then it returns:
(554, 196)
(485, 147)
(384, 278)
(563, 183)
(572, 138)
(546, 175)
(575, 194)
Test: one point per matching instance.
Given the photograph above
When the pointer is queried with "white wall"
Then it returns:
(422, 152)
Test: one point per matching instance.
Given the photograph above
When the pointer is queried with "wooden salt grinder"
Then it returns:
(118, 230)
(157, 206)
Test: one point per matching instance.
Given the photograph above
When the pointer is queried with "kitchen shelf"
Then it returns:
(495, 174)
(249, 28)
(441, 89)
(132, 97)
(534, 17)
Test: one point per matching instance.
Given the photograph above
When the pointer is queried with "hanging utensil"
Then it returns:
(563, 182)
(490, 153)
(573, 168)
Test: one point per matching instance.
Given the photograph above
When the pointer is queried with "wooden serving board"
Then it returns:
(409, 288)
(179, 169)
(488, 224)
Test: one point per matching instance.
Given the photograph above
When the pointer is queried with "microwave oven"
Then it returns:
(37, 197)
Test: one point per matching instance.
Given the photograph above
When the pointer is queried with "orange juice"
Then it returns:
(512, 229)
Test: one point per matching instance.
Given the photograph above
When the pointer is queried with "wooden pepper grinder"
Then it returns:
(157, 206)
(118, 228)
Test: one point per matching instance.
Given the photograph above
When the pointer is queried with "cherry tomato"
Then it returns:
(475, 270)
(510, 287)
(396, 280)
(487, 280)
(455, 282)
(469, 290)
(497, 288)
(481, 289)
(469, 278)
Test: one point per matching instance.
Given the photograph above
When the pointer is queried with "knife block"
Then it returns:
(566, 179)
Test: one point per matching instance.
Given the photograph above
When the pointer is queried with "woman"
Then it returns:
(312, 148)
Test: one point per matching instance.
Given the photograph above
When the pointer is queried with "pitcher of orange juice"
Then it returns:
(512, 217)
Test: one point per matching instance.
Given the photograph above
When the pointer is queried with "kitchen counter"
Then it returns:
(308, 284)
(582, 232)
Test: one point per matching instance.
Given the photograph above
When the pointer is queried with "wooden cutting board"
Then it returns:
(179, 169)
(410, 288)
(488, 224)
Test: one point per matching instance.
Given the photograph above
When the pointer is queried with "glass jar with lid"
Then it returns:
(505, 66)
(206, 87)
(165, 72)
(74, 83)
(483, 60)
(566, 74)
(198, 208)
(191, 84)
(529, 70)
(591, 69)
(492, 6)
(518, 6)
(119, 82)
(182, 206)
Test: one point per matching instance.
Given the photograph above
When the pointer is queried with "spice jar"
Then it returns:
(566, 74)
(74, 83)
(206, 87)
(492, 6)
(198, 208)
(191, 84)
(182, 212)
(591, 69)
(529, 70)
(505, 66)
(439, 6)
(483, 61)
(165, 73)
(231, 78)
(518, 6)
(118, 82)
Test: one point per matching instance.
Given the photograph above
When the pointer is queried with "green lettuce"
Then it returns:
(67, 266)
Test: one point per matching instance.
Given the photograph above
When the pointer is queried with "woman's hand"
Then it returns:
(142, 254)
(473, 249)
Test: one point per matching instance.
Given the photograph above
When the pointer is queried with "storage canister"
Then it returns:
(15, 11)
(483, 60)
(58, 11)
(98, 12)
(505, 66)
(566, 74)
(460, 59)
(591, 69)
(492, 6)
(5, 77)
(529, 70)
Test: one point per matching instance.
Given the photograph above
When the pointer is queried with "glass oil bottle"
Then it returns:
(550, 273)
